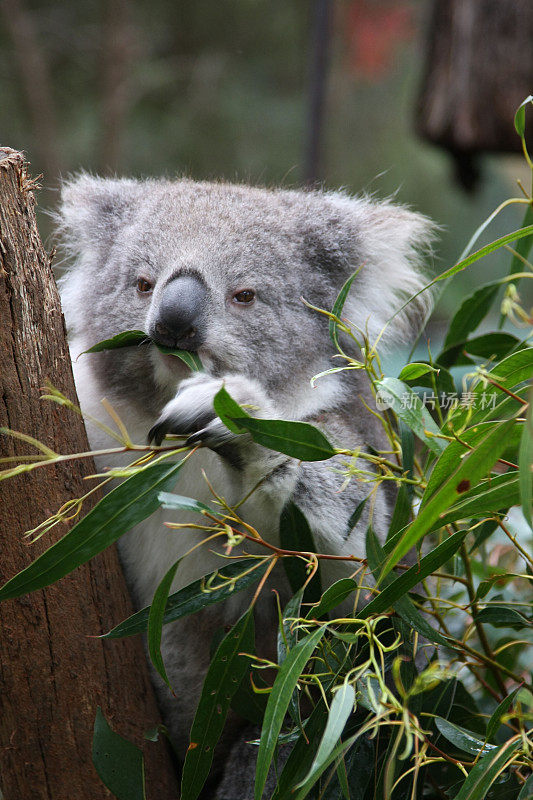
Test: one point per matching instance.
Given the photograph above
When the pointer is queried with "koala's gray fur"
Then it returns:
(284, 245)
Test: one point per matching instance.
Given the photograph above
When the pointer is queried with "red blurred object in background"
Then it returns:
(374, 32)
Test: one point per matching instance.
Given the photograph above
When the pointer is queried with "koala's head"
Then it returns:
(222, 269)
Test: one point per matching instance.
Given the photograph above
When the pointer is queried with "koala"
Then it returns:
(224, 270)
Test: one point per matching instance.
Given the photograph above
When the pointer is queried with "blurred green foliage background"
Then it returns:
(220, 89)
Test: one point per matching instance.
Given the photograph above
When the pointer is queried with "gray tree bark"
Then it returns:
(53, 673)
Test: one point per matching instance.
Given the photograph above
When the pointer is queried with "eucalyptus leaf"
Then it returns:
(124, 339)
(470, 314)
(188, 357)
(339, 712)
(488, 346)
(498, 493)
(475, 464)
(118, 511)
(302, 754)
(179, 503)
(404, 501)
(223, 678)
(332, 597)
(525, 462)
(295, 534)
(485, 771)
(296, 439)
(520, 116)
(408, 406)
(278, 702)
(130, 338)
(118, 762)
(497, 715)
(415, 370)
(462, 738)
(288, 636)
(503, 617)
(229, 411)
(394, 591)
(155, 621)
(339, 305)
(196, 596)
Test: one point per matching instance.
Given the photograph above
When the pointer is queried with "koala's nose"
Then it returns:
(179, 320)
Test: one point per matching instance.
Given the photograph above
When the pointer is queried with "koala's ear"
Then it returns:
(92, 209)
(391, 244)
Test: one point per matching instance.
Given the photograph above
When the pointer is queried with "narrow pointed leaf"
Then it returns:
(122, 508)
(278, 703)
(488, 346)
(341, 708)
(415, 370)
(452, 457)
(395, 591)
(399, 587)
(223, 678)
(404, 500)
(472, 468)
(296, 439)
(484, 251)
(471, 312)
(409, 408)
(332, 597)
(462, 738)
(356, 516)
(118, 762)
(155, 621)
(525, 463)
(512, 371)
(503, 617)
(195, 596)
(497, 715)
(485, 772)
(337, 752)
(124, 339)
(229, 411)
(178, 502)
(289, 638)
(339, 305)
(187, 356)
(295, 534)
(520, 116)
(131, 338)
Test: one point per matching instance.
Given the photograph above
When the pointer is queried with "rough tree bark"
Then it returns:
(53, 675)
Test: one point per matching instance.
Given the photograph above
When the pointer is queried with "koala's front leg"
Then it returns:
(191, 413)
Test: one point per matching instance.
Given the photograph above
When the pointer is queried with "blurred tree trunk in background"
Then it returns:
(479, 68)
(319, 53)
(35, 79)
(118, 61)
(53, 673)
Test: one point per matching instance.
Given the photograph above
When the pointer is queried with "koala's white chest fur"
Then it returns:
(149, 549)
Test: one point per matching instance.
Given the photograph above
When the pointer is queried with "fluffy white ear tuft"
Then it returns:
(393, 244)
(91, 209)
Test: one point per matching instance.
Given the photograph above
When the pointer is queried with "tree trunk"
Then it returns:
(53, 674)
(479, 68)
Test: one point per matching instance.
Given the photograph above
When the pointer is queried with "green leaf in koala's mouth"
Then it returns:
(130, 338)
(124, 339)
(191, 359)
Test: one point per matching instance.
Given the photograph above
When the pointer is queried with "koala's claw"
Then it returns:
(158, 432)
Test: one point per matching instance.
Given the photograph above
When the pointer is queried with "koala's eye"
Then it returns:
(244, 297)
(143, 285)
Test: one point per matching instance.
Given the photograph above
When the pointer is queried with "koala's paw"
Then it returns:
(191, 412)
